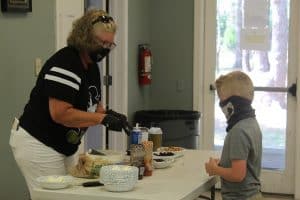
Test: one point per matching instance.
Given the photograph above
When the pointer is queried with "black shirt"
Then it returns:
(62, 77)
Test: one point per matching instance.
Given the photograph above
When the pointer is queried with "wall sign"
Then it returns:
(16, 5)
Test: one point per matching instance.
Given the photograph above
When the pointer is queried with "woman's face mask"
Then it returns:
(98, 54)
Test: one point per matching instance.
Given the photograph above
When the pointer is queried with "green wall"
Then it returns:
(138, 33)
(172, 36)
(168, 27)
(23, 38)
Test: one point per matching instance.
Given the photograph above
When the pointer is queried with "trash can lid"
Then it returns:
(160, 115)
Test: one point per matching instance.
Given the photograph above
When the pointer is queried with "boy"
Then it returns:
(240, 163)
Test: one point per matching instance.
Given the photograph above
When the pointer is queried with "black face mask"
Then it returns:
(99, 54)
(235, 109)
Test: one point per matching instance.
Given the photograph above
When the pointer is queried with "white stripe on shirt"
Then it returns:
(67, 73)
(63, 81)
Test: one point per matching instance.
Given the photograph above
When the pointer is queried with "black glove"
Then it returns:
(127, 127)
(112, 123)
(125, 124)
(116, 114)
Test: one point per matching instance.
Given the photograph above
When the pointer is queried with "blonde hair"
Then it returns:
(82, 34)
(235, 83)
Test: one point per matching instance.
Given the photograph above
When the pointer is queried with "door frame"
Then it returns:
(118, 99)
(202, 102)
(198, 58)
(296, 7)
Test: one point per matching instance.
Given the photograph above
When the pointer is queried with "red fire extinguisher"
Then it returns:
(145, 62)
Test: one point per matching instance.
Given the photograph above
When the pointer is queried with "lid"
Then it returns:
(155, 130)
(136, 128)
(109, 155)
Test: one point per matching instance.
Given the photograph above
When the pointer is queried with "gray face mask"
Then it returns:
(227, 109)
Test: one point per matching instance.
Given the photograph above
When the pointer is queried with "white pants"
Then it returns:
(36, 159)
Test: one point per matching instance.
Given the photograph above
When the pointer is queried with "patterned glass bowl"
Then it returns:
(119, 178)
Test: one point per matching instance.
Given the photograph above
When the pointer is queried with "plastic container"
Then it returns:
(155, 135)
(136, 135)
(179, 127)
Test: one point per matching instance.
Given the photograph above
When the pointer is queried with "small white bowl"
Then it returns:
(118, 178)
(163, 163)
(54, 182)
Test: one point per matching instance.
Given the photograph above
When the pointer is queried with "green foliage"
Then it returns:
(222, 23)
(230, 38)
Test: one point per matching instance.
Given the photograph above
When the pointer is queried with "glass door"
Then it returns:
(253, 36)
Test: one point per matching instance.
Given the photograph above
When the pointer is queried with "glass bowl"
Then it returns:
(119, 178)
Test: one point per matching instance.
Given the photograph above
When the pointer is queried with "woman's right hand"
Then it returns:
(112, 122)
(125, 124)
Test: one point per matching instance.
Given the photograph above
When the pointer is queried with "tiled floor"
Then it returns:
(266, 196)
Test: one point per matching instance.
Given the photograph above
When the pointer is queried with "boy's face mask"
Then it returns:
(227, 108)
(98, 54)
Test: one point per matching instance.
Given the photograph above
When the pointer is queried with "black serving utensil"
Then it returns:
(92, 184)
(95, 152)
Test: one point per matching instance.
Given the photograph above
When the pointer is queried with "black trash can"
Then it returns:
(180, 127)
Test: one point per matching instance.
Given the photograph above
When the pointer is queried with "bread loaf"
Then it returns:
(88, 166)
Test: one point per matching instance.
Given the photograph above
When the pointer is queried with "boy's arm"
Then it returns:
(236, 173)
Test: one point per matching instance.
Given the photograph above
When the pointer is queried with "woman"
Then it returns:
(65, 101)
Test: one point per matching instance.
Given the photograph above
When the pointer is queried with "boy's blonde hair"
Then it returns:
(235, 83)
(82, 35)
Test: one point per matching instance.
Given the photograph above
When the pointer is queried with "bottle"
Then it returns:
(145, 134)
(141, 167)
(155, 135)
(148, 146)
(137, 153)
(136, 135)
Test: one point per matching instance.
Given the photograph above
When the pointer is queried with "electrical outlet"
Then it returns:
(180, 85)
(37, 66)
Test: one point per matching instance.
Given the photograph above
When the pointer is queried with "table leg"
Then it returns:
(212, 192)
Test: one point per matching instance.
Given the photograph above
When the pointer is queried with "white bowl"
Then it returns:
(54, 182)
(163, 163)
(118, 178)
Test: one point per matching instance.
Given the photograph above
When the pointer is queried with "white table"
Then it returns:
(186, 179)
